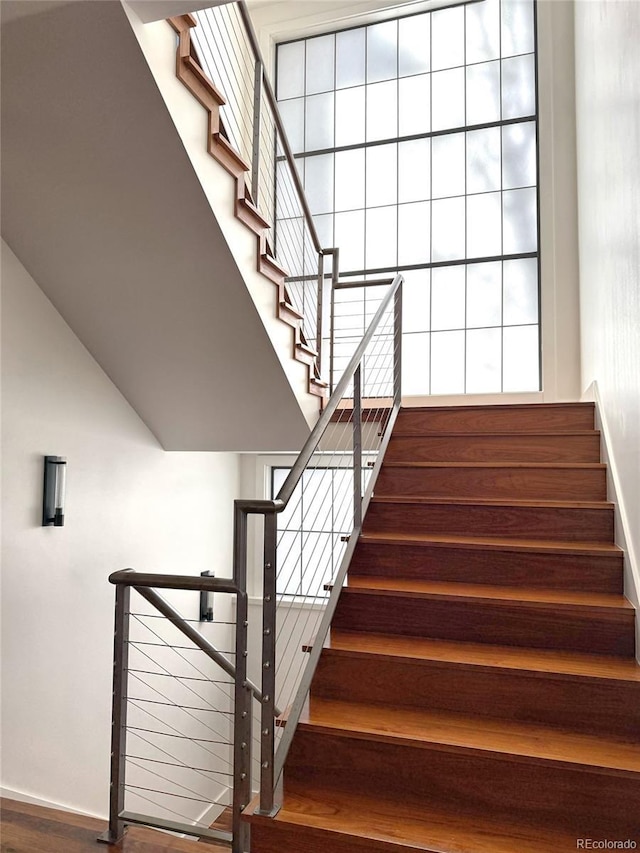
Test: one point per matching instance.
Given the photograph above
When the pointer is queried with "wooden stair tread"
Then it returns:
(497, 543)
(546, 466)
(506, 502)
(564, 664)
(398, 433)
(512, 740)
(459, 591)
(376, 824)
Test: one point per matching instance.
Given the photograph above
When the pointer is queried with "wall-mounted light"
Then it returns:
(55, 481)
(206, 600)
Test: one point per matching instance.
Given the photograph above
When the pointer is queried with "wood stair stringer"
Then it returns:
(191, 75)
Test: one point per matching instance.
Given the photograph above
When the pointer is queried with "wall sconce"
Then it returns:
(55, 481)
(206, 600)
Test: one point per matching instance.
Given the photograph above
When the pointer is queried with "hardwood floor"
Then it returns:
(26, 828)
(479, 693)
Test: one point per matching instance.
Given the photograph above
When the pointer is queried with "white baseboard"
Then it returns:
(622, 526)
(21, 797)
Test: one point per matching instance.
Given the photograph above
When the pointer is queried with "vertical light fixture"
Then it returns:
(55, 482)
(206, 600)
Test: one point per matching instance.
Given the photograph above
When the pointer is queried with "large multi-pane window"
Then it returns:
(416, 141)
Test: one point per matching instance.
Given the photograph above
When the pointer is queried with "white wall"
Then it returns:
(608, 120)
(129, 503)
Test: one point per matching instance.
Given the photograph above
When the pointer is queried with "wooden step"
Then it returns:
(469, 778)
(582, 692)
(586, 521)
(527, 743)
(582, 446)
(594, 567)
(545, 417)
(552, 619)
(585, 481)
(325, 820)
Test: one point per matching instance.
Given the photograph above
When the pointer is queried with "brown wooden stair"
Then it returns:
(190, 73)
(479, 692)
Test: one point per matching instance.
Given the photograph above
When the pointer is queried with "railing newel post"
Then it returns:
(268, 712)
(357, 447)
(257, 120)
(397, 345)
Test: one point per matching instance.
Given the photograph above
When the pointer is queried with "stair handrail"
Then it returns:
(272, 763)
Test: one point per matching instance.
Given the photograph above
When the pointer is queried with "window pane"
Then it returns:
(350, 116)
(316, 563)
(320, 64)
(350, 58)
(483, 160)
(521, 359)
(349, 179)
(382, 230)
(520, 231)
(519, 155)
(415, 39)
(483, 93)
(382, 110)
(484, 227)
(448, 165)
(414, 170)
(447, 297)
(414, 105)
(414, 241)
(292, 113)
(382, 175)
(416, 301)
(484, 361)
(448, 99)
(289, 563)
(317, 491)
(517, 27)
(291, 70)
(520, 291)
(350, 239)
(483, 31)
(447, 229)
(319, 122)
(484, 294)
(518, 87)
(447, 363)
(415, 364)
(318, 183)
(382, 51)
(324, 228)
(291, 516)
(447, 27)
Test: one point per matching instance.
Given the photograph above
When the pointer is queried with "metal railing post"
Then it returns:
(242, 712)
(397, 345)
(267, 722)
(320, 306)
(257, 113)
(334, 281)
(357, 447)
(118, 714)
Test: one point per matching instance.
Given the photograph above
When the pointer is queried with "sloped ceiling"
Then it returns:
(102, 206)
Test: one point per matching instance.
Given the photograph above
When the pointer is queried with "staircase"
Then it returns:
(479, 692)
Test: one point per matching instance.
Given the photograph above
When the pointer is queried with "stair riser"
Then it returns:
(531, 790)
(582, 629)
(495, 419)
(559, 484)
(511, 522)
(495, 448)
(273, 837)
(488, 566)
(602, 707)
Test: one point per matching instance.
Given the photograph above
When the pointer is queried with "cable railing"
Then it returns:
(192, 735)
(227, 50)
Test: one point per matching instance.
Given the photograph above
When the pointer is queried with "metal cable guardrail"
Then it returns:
(228, 53)
(191, 734)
